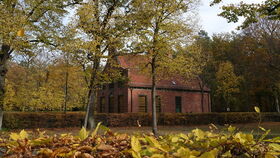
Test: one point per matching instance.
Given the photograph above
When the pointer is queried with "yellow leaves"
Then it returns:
(182, 152)
(14, 136)
(228, 82)
(211, 154)
(135, 144)
(231, 129)
(275, 146)
(269, 155)
(22, 94)
(83, 134)
(136, 147)
(154, 143)
(157, 156)
(257, 109)
(197, 144)
(22, 135)
(20, 33)
(198, 133)
(243, 138)
(95, 130)
(183, 136)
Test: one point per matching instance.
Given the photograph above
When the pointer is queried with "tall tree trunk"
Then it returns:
(89, 121)
(89, 118)
(2, 91)
(154, 114)
(66, 91)
(4, 56)
(201, 85)
(202, 99)
(277, 103)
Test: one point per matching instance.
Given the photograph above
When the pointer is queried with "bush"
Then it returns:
(23, 120)
(203, 144)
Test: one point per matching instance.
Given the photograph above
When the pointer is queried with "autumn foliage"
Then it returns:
(101, 142)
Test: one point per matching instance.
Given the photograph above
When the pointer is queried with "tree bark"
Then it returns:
(201, 85)
(66, 91)
(154, 114)
(277, 103)
(4, 56)
(2, 92)
(89, 121)
(202, 99)
(89, 118)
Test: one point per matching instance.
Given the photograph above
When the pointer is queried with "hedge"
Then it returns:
(23, 120)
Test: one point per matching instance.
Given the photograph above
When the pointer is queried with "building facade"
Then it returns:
(172, 95)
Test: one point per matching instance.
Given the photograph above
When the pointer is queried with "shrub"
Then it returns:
(23, 120)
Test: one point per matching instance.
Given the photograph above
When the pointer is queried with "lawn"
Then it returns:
(163, 130)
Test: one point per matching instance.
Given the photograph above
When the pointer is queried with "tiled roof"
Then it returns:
(140, 79)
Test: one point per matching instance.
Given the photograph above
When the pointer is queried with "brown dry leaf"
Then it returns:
(77, 154)
(85, 148)
(60, 150)
(122, 136)
(105, 147)
(106, 154)
(86, 155)
(124, 142)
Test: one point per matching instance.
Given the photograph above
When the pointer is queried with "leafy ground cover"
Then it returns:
(103, 142)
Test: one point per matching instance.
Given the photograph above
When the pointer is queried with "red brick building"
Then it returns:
(135, 95)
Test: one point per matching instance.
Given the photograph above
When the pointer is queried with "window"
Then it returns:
(142, 103)
(178, 103)
(121, 106)
(111, 103)
(158, 104)
(102, 104)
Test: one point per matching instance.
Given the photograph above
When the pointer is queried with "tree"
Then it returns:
(24, 24)
(41, 86)
(269, 9)
(161, 32)
(206, 75)
(228, 82)
(95, 38)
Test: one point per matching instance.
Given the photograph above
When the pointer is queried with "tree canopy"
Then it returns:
(269, 9)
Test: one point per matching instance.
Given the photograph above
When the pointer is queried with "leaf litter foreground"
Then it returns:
(102, 142)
